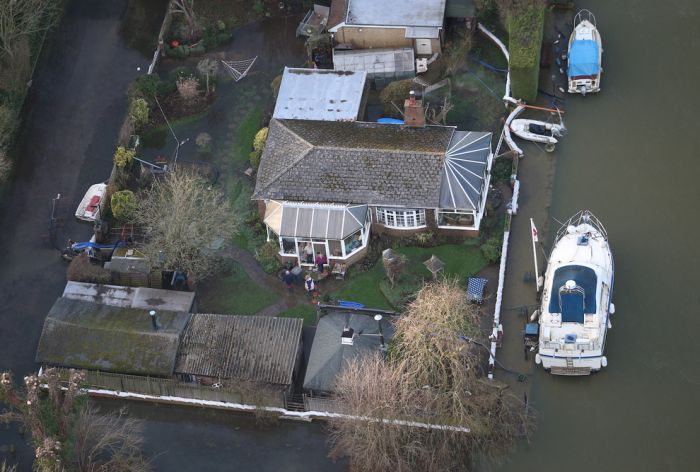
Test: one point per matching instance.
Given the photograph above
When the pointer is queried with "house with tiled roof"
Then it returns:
(328, 184)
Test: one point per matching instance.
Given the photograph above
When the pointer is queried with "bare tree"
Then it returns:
(187, 222)
(66, 433)
(394, 265)
(208, 67)
(186, 8)
(21, 18)
(434, 375)
(108, 442)
(187, 88)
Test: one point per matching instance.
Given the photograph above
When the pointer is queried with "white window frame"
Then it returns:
(456, 212)
(389, 217)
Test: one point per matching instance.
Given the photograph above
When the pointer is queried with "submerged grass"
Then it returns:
(234, 293)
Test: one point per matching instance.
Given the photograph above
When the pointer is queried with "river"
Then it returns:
(629, 157)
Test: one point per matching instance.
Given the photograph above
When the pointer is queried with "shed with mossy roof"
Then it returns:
(93, 336)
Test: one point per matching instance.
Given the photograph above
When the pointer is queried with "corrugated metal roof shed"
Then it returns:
(318, 94)
(328, 356)
(396, 12)
(128, 297)
(94, 336)
(246, 348)
(382, 62)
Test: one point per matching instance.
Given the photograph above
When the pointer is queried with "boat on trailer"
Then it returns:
(577, 299)
(585, 55)
(92, 203)
(537, 131)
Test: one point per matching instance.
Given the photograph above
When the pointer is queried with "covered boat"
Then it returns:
(576, 301)
(537, 131)
(585, 55)
(92, 203)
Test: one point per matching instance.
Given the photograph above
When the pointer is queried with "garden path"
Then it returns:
(288, 299)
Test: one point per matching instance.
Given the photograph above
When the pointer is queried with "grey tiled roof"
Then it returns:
(353, 162)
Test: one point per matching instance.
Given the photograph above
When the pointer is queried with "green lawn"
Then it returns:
(461, 261)
(234, 294)
(305, 312)
(243, 145)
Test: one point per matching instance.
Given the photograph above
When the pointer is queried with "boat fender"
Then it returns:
(535, 315)
(538, 359)
(604, 361)
(612, 309)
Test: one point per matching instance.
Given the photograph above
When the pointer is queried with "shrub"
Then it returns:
(525, 29)
(258, 145)
(145, 86)
(8, 124)
(138, 111)
(123, 205)
(5, 166)
(267, 256)
(502, 169)
(187, 87)
(203, 141)
(275, 85)
(123, 157)
(396, 92)
(82, 270)
(491, 249)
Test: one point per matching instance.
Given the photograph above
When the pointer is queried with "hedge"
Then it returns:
(525, 29)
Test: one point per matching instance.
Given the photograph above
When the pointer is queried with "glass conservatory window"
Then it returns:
(456, 218)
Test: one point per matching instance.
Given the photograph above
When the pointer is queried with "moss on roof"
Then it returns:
(100, 337)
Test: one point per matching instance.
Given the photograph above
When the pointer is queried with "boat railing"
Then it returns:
(582, 217)
(578, 347)
(584, 15)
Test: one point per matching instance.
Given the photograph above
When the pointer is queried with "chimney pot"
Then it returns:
(413, 114)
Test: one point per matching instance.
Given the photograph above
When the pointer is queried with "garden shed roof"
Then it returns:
(320, 94)
(392, 12)
(376, 62)
(328, 355)
(130, 297)
(246, 348)
(368, 163)
(95, 336)
(314, 220)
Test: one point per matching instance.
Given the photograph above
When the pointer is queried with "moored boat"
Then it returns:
(585, 55)
(577, 299)
(537, 131)
(92, 203)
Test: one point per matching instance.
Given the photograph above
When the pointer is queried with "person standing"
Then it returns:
(320, 262)
(310, 286)
(309, 251)
(288, 279)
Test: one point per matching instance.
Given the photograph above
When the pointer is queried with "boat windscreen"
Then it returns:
(585, 278)
(583, 58)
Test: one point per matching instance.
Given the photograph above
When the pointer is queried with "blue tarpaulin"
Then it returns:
(583, 58)
(586, 278)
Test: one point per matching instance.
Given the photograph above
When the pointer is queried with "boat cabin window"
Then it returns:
(575, 302)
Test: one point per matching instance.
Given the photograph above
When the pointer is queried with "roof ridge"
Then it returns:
(284, 170)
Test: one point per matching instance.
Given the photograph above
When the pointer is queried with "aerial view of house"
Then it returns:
(347, 235)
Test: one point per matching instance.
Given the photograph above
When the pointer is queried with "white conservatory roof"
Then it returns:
(314, 220)
(466, 160)
(319, 94)
(375, 61)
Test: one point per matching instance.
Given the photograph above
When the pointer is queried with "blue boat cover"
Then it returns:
(583, 58)
(574, 308)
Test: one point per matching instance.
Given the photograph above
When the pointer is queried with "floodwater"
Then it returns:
(630, 157)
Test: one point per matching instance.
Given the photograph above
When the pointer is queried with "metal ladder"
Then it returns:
(569, 363)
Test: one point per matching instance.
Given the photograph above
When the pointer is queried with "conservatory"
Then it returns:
(337, 231)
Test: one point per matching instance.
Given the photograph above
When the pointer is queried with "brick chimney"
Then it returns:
(413, 113)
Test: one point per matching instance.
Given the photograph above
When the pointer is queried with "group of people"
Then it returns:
(319, 261)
